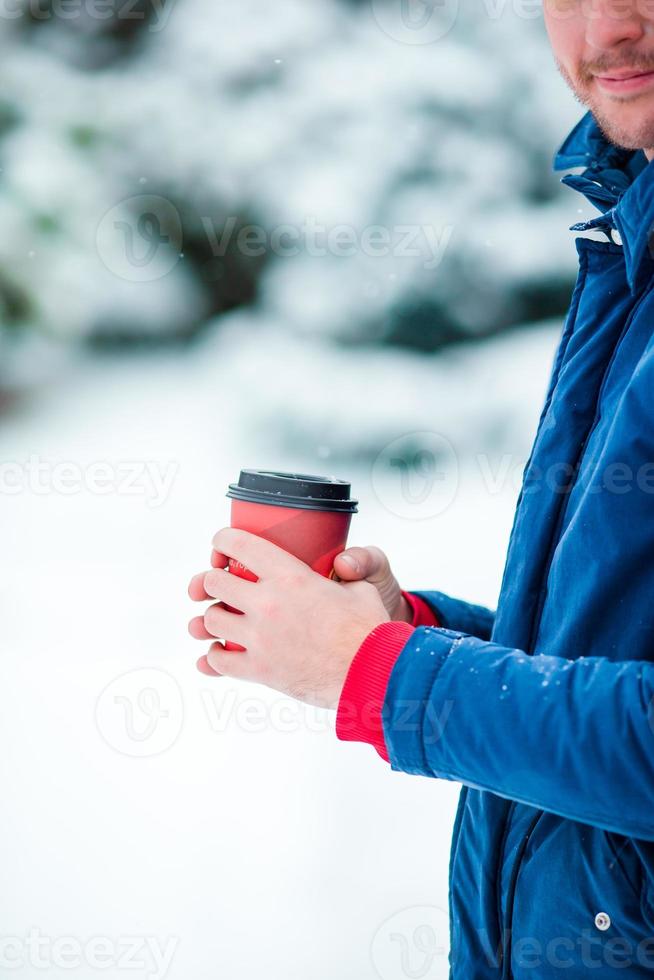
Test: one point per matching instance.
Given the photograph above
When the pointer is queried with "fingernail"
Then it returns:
(352, 562)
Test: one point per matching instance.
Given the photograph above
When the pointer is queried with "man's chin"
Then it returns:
(627, 122)
(625, 125)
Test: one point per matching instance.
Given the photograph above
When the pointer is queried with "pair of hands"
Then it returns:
(301, 630)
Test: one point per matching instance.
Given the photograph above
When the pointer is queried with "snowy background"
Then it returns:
(310, 236)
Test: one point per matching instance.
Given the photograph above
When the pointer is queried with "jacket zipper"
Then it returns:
(572, 318)
(506, 926)
(565, 499)
(498, 881)
(510, 900)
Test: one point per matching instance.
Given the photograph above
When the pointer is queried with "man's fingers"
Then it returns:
(198, 630)
(349, 565)
(196, 589)
(234, 590)
(263, 558)
(379, 568)
(229, 664)
(205, 667)
(220, 584)
(355, 564)
(228, 625)
(218, 560)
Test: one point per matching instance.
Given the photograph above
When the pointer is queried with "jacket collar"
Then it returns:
(620, 183)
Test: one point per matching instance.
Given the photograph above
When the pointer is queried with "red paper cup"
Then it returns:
(308, 516)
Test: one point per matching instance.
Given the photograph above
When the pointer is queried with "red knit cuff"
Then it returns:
(423, 614)
(359, 715)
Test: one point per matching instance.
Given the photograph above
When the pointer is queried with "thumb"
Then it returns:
(373, 566)
(356, 564)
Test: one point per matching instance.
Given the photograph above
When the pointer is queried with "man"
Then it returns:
(545, 710)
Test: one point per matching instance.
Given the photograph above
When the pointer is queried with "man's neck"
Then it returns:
(649, 153)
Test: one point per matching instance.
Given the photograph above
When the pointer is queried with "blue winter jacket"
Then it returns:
(545, 709)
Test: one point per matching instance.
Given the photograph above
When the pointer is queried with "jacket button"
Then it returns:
(616, 236)
(603, 921)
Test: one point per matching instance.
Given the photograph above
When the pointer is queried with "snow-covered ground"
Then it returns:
(213, 823)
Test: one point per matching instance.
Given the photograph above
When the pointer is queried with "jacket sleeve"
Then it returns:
(358, 715)
(455, 614)
(573, 737)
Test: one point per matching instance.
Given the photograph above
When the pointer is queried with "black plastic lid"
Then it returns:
(293, 490)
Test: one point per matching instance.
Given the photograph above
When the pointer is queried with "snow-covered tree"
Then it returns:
(344, 171)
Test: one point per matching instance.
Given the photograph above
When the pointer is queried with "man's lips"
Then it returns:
(625, 80)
